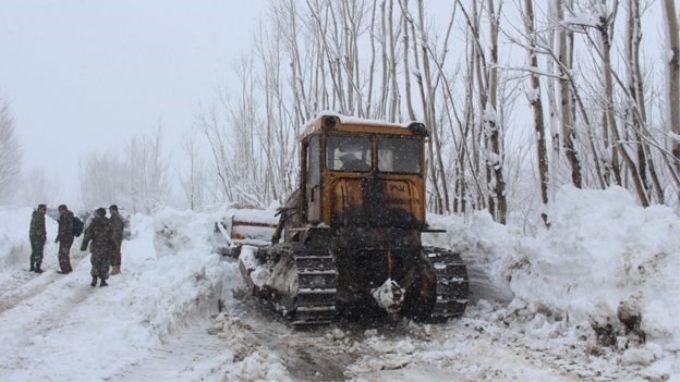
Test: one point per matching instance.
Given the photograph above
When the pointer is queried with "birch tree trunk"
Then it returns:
(610, 119)
(493, 126)
(566, 46)
(673, 78)
(425, 91)
(407, 67)
(553, 92)
(467, 135)
(193, 182)
(638, 113)
(537, 105)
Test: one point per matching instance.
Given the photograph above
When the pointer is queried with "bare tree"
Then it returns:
(148, 186)
(103, 180)
(568, 136)
(429, 62)
(135, 177)
(673, 78)
(616, 158)
(605, 33)
(38, 187)
(537, 105)
(10, 153)
(493, 122)
(389, 59)
(211, 126)
(193, 182)
(637, 113)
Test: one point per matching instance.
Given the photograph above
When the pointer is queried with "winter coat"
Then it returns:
(65, 235)
(37, 232)
(99, 233)
(117, 226)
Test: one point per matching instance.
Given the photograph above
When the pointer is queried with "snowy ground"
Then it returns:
(537, 304)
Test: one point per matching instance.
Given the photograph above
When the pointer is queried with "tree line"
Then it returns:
(520, 97)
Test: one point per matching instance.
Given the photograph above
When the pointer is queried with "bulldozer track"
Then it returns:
(315, 303)
(453, 283)
(317, 280)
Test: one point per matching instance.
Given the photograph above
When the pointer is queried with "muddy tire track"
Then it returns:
(313, 354)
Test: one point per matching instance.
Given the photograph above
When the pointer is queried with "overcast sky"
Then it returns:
(88, 75)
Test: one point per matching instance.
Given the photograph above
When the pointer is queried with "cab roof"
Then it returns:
(329, 121)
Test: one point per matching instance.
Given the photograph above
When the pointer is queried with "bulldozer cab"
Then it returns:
(362, 173)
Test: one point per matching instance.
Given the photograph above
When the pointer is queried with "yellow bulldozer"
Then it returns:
(347, 242)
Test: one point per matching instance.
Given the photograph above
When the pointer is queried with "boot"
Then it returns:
(115, 269)
(103, 284)
(37, 267)
(32, 266)
(94, 281)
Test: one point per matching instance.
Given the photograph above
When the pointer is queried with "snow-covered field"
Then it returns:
(544, 308)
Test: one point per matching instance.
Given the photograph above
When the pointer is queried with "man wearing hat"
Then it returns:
(99, 233)
(117, 227)
(38, 235)
(65, 239)
(351, 163)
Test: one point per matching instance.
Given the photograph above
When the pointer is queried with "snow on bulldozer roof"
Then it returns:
(328, 119)
(348, 119)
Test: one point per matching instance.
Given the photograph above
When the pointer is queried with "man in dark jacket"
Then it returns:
(99, 233)
(38, 236)
(65, 239)
(117, 226)
(351, 163)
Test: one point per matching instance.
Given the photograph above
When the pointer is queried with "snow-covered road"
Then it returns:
(248, 342)
(179, 312)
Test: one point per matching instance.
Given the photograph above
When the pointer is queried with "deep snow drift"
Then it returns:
(600, 251)
(544, 307)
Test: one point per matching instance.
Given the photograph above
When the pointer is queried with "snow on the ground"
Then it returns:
(543, 308)
(601, 251)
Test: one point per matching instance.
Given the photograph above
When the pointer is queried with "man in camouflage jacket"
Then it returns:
(38, 236)
(117, 226)
(65, 239)
(99, 233)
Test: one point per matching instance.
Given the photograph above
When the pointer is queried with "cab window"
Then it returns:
(348, 153)
(399, 155)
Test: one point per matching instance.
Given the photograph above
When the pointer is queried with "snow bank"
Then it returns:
(603, 260)
(485, 246)
(603, 253)
(15, 248)
(603, 250)
(181, 231)
(182, 240)
(54, 325)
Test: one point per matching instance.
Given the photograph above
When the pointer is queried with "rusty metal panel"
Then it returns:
(404, 195)
(376, 202)
(346, 201)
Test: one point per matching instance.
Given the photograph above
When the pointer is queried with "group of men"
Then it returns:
(104, 234)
